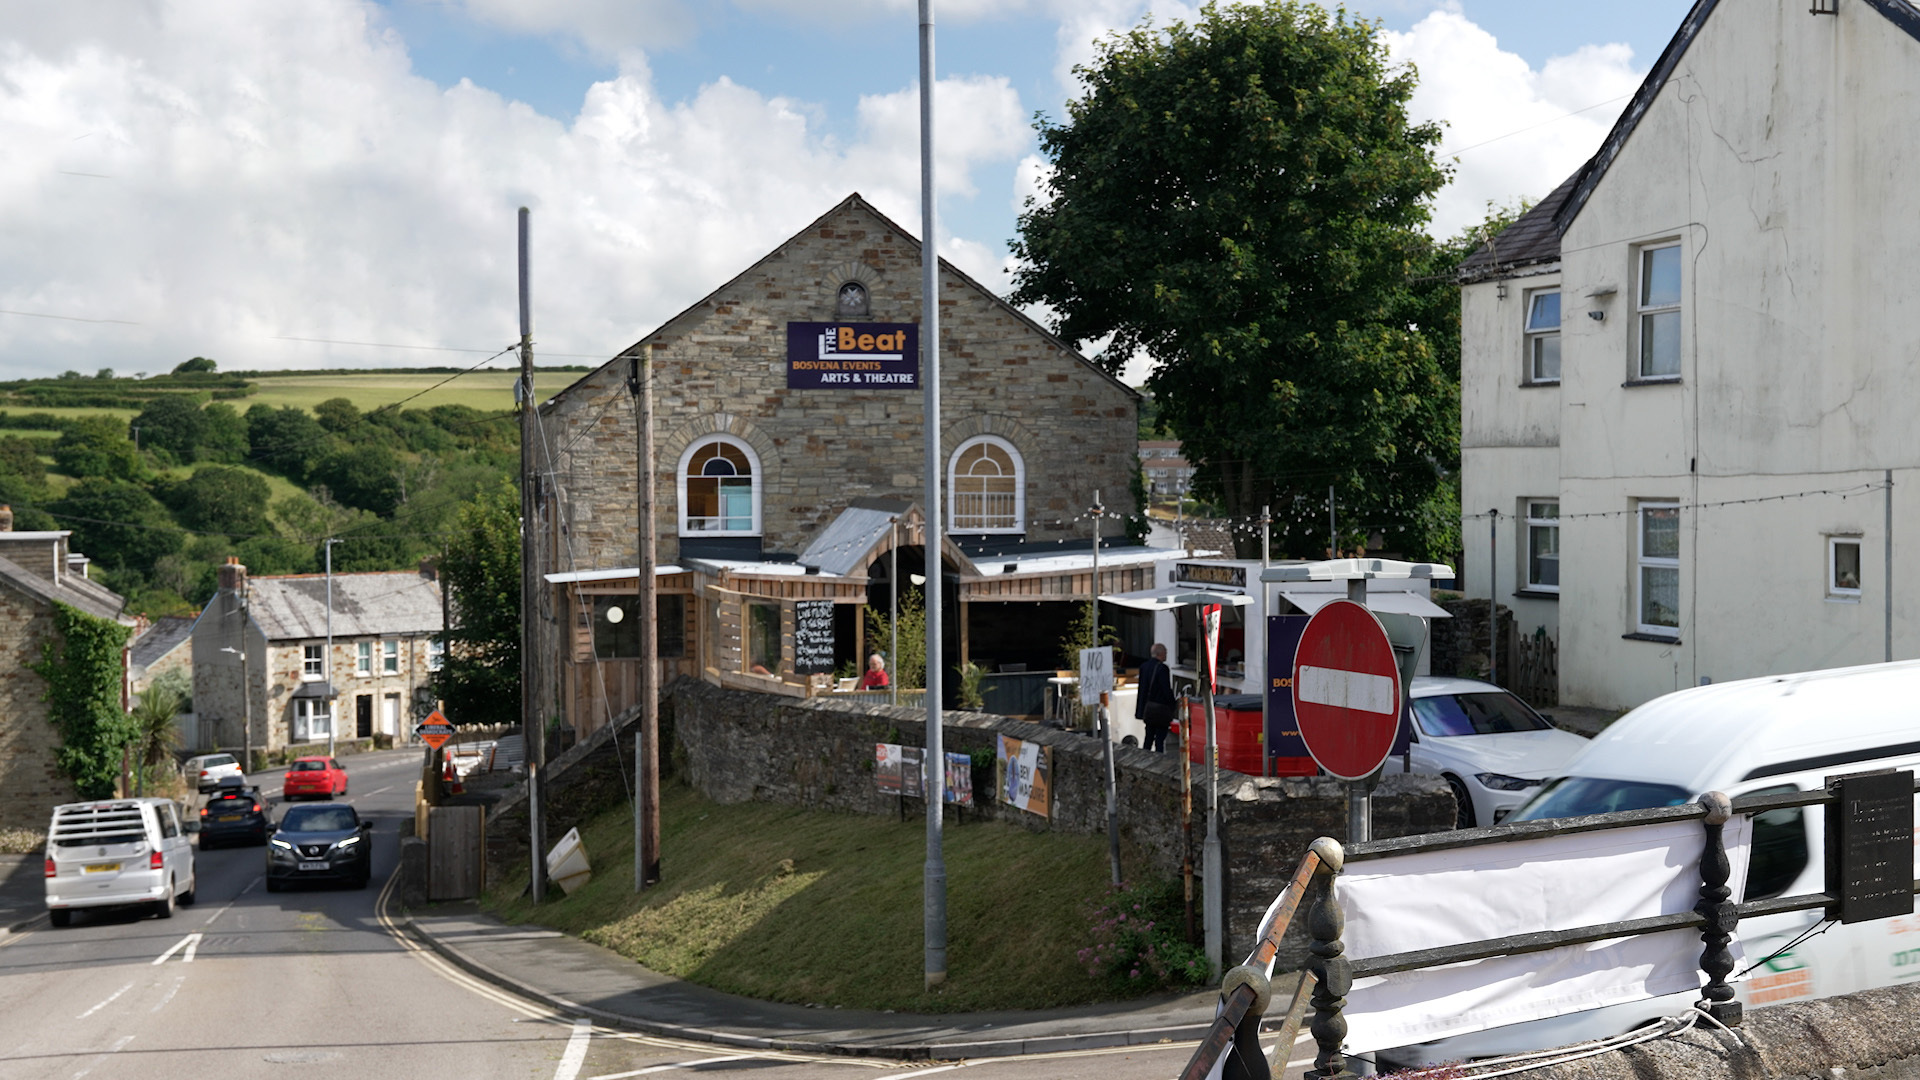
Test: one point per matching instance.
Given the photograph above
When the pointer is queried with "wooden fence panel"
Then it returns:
(456, 852)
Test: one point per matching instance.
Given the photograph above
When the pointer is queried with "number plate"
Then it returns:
(103, 867)
(314, 866)
(231, 817)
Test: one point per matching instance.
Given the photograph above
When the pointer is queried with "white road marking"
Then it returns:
(105, 1003)
(222, 909)
(116, 1048)
(379, 791)
(1346, 689)
(576, 1054)
(172, 990)
(687, 1065)
(190, 942)
(930, 1072)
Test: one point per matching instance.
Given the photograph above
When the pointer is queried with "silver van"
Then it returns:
(117, 852)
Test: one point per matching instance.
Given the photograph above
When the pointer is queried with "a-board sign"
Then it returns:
(812, 636)
(435, 730)
(1346, 690)
(1096, 674)
(1870, 845)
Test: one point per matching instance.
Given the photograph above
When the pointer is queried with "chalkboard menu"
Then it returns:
(812, 636)
(1870, 845)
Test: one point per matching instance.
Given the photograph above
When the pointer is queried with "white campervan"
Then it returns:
(117, 852)
(1759, 736)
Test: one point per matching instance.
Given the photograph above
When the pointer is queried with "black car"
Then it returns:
(233, 812)
(320, 843)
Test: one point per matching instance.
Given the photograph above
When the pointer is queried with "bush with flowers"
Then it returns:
(1135, 942)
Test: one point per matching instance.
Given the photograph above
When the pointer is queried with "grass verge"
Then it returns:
(806, 906)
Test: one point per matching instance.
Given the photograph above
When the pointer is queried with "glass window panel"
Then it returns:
(1778, 851)
(1660, 344)
(1543, 555)
(1660, 596)
(1660, 277)
(615, 639)
(1846, 566)
(1660, 532)
(1546, 358)
(364, 662)
(736, 497)
(703, 502)
(763, 637)
(1544, 511)
(1544, 312)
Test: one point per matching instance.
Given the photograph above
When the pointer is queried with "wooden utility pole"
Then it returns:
(646, 862)
(531, 725)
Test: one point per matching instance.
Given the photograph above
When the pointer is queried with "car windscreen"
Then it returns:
(1474, 714)
(320, 819)
(1573, 796)
(217, 759)
(309, 766)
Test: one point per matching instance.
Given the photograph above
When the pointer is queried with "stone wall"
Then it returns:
(29, 772)
(1460, 643)
(720, 367)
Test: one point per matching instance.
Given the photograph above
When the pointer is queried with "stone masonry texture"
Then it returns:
(29, 771)
(720, 367)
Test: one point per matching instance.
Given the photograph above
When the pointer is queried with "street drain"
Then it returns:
(301, 1057)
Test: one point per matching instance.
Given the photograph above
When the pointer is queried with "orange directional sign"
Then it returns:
(435, 730)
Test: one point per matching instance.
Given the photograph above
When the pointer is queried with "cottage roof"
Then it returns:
(364, 605)
(167, 633)
(74, 591)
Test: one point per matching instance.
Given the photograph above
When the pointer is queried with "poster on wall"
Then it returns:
(900, 770)
(812, 636)
(1023, 774)
(1283, 731)
(959, 780)
(853, 356)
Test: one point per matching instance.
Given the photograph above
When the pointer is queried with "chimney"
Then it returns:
(6, 519)
(233, 576)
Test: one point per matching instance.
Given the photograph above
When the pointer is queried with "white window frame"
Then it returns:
(436, 654)
(313, 663)
(1642, 311)
(389, 656)
(1536, 335)
(1533, 522)
(1644, 562)
(363, 658)
(312, 720)
(1019, 488)
(680, 483)
(1836, 591)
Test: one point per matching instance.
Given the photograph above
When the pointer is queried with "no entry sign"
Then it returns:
(1346, 690)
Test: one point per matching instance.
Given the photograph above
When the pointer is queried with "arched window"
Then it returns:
(719, 488)
(989, 486)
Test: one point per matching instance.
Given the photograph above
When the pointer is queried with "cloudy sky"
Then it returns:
(332, 183)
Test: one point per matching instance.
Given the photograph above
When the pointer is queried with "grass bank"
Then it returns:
(803, 906)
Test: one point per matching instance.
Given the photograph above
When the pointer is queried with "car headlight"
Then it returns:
(279, 843)
(348, 842)
(1497, 782)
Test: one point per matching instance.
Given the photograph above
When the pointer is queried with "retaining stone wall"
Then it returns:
(29, 744)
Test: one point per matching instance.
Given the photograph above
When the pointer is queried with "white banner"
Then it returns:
(1096, 674)
(1433, 899)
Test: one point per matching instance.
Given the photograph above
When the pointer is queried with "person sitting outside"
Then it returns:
(876, 676)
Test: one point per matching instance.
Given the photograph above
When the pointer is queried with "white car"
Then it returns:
(118, 852)
(207, 770)
(1489, 746)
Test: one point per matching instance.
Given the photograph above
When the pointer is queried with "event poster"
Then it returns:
(959, 780)
(1024, 774)
(900, 770)
(853, 356)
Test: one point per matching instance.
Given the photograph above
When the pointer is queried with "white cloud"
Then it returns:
(606, 28)
(262, 171)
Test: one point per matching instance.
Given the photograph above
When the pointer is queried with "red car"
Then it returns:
(318, 777)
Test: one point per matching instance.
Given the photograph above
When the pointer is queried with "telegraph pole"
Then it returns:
(530, 721)
(935, 876)
(326, 665)
(646, 861)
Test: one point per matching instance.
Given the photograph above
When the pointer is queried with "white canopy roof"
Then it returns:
(1172, 596)
(1400, 603)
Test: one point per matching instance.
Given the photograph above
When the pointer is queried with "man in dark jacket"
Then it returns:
(1155, 704)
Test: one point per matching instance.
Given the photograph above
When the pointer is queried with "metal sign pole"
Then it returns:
(1211, 884)
(1359, 792)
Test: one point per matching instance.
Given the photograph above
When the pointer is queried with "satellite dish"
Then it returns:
(614, 614)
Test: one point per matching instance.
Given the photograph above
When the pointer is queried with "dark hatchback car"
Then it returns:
(233, 813)
(320, 843)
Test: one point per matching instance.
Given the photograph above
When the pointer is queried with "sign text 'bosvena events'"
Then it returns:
(857, 356)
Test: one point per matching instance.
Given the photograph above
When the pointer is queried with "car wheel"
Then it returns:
(273, 885)
(1463, 814)
(187, 898)
(206, 842)
(163, 909)
(59, 916)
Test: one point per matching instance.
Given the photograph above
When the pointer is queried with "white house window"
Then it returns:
(1543, 336)
(363, 661)
(436, 654)
(390, 657)
(988, 483)
(1543, 545)
(313, 664)
(311, 720)
(1658, 587)
(719, 489)
(1843, 567)
(1659, 304)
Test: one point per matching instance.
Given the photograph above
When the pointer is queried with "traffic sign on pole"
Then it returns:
(1346, 690)
(435, 730)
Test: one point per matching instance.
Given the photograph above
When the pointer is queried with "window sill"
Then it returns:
(1843, 599)
(1540, 384)
(1537, 594)
(1663, 639)
(1655, 380)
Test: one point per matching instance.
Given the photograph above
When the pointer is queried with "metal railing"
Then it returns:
(1245, 991)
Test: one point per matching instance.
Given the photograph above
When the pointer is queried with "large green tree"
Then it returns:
(95, 447)
(1241, 200)
(220, 499)
(118, 524)
(480, 680)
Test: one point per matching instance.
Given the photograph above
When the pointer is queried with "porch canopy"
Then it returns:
(1173, 596)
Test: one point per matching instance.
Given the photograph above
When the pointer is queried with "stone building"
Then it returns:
(37, 571)
(383, 657)
(789, 458)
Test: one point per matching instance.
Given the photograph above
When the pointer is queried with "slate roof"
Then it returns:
(844, 544)
(364, 605)
(73, 591)
(1531, 240)
(167, 633)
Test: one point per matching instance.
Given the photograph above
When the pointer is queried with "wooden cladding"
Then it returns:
(1056, 587)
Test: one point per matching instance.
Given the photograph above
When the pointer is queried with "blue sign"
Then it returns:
(853, 356)
(1283, 731)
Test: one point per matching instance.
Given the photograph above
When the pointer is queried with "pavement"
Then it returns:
(585, 980)
(23, 891)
